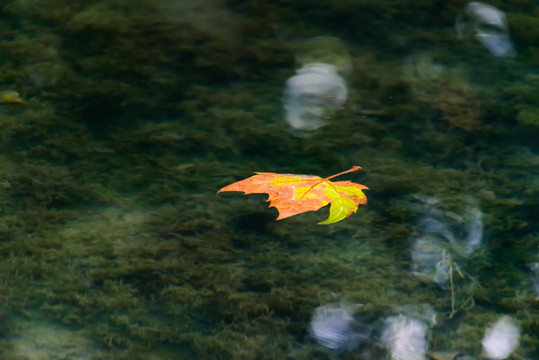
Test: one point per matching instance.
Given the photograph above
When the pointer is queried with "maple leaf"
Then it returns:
(294, 194)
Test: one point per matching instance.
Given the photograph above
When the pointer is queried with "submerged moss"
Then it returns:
(135, 116)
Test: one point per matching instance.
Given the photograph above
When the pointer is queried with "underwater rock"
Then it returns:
(333, 326)
(318, 89)
(501, 339)
(405, 338)
(488, 25)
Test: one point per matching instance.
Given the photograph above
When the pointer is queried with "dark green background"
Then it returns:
(114, 243)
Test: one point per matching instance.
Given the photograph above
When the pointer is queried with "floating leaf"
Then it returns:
(294, 194)
(10, 96)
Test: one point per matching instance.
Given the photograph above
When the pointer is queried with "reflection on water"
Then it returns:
(444, 237)
(345, 328)
(313, 95)
(488, 25)
(501, 339)
(405, 338)
(334, 327)
(318, 89)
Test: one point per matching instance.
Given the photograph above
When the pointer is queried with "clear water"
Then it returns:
(114, 243)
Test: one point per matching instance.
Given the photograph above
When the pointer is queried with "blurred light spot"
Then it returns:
(488, 25)
(444, 236)
(501, 339)
(333, 326)
(318, 89)
(405, 338)
(313, 95)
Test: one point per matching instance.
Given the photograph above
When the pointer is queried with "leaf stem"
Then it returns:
(354, 168)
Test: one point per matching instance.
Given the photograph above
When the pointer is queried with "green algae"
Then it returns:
(110, 224)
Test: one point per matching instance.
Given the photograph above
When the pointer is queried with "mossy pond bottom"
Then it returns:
(115, 245)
